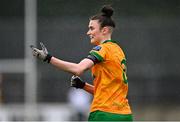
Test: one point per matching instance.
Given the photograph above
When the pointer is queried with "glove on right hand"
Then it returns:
(77, 82)
(41, 54)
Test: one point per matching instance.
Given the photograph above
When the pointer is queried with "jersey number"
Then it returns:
(124, 67)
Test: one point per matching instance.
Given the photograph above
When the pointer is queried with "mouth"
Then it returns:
(91, 37)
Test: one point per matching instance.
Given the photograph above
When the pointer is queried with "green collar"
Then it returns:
(109, 41)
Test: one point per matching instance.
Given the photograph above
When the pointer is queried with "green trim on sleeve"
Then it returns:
(124, 62)
(99, 57)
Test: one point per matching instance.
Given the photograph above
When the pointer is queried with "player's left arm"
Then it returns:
(77, 82)
(89, 88)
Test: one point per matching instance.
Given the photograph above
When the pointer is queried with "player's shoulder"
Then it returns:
(105, 45)
(97, 47)
(110, 44)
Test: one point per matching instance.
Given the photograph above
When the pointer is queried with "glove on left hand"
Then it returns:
(77, 82)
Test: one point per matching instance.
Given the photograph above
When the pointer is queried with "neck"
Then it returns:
(105, 39)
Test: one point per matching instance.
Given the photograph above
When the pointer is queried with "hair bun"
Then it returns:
(107, 11)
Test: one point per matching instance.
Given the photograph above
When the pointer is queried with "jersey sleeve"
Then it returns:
(97, 54)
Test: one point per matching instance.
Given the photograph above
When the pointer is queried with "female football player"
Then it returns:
(108, 64)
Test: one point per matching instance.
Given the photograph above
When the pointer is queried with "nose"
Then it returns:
(88, 33)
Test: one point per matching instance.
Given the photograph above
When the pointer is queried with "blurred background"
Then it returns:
(147, 30)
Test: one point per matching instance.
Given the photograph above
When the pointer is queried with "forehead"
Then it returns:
(93, 23)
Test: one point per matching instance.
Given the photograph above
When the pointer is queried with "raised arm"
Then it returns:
(74, 68)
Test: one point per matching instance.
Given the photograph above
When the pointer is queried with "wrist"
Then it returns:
(83, 85)
(48, 58)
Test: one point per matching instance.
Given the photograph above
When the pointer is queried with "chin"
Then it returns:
(94, 42)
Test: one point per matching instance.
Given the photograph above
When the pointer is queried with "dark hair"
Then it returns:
(104, 17)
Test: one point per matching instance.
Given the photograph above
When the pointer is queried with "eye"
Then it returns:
(91, 28)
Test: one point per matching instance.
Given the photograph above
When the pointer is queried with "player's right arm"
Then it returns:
(74, 68)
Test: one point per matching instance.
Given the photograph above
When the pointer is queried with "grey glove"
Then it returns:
(77, 82)
(41, 54)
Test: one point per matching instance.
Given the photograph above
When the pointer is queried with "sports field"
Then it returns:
(147, 31)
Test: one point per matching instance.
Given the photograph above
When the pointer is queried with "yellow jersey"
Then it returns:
(110, 81)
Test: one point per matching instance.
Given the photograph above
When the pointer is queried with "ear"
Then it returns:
(105, 30)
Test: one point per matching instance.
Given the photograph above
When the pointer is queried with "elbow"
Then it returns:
(80, 68)
(79, 71)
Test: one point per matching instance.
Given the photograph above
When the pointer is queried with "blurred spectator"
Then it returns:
(80, 101)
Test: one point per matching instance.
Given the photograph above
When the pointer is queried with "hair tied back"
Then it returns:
(107, 11)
